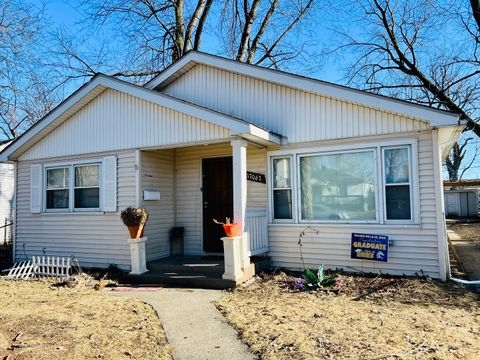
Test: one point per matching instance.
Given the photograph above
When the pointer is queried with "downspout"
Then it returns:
(466, 282)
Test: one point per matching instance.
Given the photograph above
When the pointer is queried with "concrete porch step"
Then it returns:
(204, 272)
(181, 282)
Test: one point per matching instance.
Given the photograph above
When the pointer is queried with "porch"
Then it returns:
(193, 272)
(191, 186)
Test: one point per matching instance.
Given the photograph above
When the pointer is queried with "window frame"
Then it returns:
(335, 152)
(356, 146)
(45, 188)
(271, 189)
(74, 187)
(410, 185)
(71, 193)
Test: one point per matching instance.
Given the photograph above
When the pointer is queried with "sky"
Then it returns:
(63, 13)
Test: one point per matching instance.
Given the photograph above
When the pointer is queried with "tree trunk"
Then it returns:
(179, 31)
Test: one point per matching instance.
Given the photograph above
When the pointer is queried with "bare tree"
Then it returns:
(24, 93)
(455, 160)
(250, 28)
(154, 33)
(421, 51)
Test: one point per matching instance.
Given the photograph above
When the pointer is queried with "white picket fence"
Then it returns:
(21, 270)
(52, 266)
(46, 266)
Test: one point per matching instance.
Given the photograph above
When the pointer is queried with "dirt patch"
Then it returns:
(369, 318)
(41, 321)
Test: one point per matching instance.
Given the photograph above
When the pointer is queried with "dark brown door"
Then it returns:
(217, 200)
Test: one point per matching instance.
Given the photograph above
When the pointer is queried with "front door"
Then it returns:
(217, 200)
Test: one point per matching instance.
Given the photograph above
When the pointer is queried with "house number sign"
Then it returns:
(260, 178)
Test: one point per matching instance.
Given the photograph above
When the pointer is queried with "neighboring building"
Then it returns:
(335, 159)
(461, 199)
(7, 186)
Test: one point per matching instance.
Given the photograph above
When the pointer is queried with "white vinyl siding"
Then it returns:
(415, 247)
(298, 115)
(157, 173)
(7, 186)
(116, 121)
(96, 239)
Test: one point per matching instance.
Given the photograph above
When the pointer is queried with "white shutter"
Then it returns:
(36, 189)
(109, 175)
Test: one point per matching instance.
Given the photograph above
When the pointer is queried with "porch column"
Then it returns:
(239, 154)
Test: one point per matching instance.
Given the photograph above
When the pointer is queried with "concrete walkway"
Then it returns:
(194, 327)
(468, 251)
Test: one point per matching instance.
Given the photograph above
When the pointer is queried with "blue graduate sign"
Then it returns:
(369, 247)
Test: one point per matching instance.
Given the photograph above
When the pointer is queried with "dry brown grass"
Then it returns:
(41, 321)
(369, 319)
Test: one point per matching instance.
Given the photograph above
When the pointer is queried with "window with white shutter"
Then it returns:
(87, 185)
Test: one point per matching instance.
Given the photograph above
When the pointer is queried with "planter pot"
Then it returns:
(232, 229)
(136, 232)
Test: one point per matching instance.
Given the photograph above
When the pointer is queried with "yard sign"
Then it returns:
(369, 247)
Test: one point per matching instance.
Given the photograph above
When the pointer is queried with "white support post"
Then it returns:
(137, 255)
(239, 153)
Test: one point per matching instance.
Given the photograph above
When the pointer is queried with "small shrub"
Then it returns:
(311, 280)
(134, 216)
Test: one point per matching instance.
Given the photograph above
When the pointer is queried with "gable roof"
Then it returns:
(435, 117)
(101, 82)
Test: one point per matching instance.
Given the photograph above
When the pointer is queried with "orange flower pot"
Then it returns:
(136, 232)
(231, 229)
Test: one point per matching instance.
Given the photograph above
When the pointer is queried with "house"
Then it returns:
(6, 197)
(279, 152)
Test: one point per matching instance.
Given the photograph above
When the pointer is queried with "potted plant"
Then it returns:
(134, 219)
(231, 229)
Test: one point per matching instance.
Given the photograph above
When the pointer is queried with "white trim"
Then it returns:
(138, 178)
(239, 167)
(99, 186)
(411, 170)
(270, 189)
(372, 150)
(342, 225)
(443, 255)
(377, 148)
(71, 165)
(45, 188)
(434, 116)
(101, 82)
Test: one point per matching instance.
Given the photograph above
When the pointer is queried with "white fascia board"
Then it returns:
(264, 135)
(433, 116)
(236, 126)
(189, 58)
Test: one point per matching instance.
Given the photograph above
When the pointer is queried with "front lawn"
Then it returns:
(369, 318)
(41, 321)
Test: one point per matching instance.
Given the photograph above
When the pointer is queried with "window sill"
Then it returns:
(345, 225)
(71, 213)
